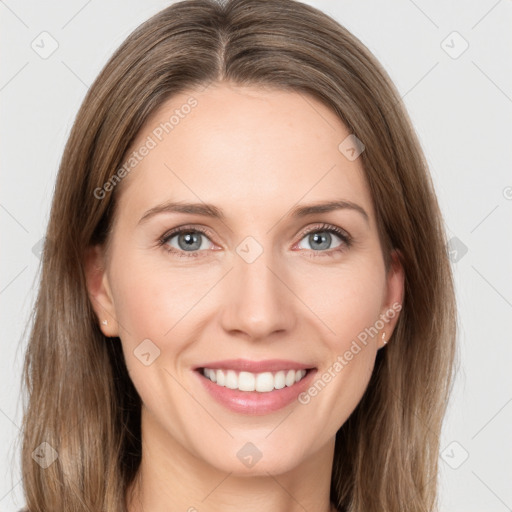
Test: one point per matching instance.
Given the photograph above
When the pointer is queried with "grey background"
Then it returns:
(461, 108)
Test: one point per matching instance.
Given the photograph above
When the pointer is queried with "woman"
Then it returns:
(193, 348)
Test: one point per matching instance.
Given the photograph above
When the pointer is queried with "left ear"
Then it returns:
(394, 298)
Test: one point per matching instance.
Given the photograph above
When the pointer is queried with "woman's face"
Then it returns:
(254, 278)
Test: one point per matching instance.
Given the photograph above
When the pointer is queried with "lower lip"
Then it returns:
(254, 402)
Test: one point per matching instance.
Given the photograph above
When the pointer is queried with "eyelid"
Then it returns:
(185, 227)
(326, 227)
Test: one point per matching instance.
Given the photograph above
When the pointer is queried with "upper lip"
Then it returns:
(269, 365)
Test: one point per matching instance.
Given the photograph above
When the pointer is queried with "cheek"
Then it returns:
(156, 301)
(354, 346)
(346, 300)
(352, 307)
(152, 296)
(151, 312)
(359, 309)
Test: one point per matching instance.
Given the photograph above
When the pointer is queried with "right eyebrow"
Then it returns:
(207, 210)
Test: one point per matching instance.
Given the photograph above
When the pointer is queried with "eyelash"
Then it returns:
(329, 228)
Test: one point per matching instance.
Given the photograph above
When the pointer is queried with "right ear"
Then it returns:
(100, 293)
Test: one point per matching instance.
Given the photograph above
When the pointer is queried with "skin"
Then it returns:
(256, 154)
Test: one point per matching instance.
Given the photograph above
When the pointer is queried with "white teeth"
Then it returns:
(290, 377)
(221, 377)
(231, 380)
(264, 382)
(247, 381)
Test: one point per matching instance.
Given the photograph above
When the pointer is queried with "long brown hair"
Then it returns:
(80, 399)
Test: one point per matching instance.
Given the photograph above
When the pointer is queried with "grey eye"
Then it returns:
(320, 240)
(187, 241)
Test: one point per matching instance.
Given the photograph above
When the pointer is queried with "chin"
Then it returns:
(250, 461)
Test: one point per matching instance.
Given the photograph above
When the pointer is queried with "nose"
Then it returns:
(258, 300)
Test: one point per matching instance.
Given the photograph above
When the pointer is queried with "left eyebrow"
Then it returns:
(210, 210)
(328, 206)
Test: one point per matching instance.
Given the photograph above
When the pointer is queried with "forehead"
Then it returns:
(243, 148)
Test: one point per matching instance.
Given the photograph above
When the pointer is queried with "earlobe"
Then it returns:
(99, 291)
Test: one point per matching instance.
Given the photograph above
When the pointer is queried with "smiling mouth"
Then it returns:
(263, 382)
